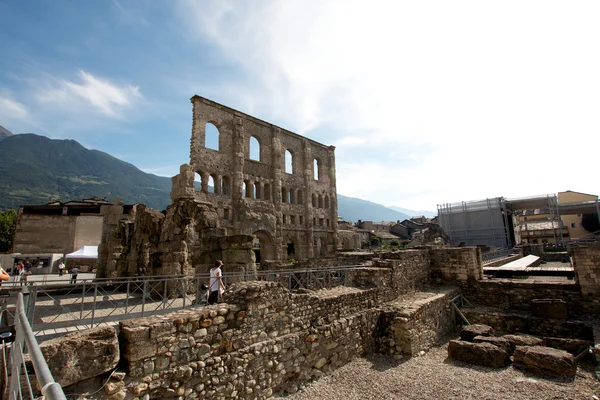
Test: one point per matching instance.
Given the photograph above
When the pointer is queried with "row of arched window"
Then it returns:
(293, 219)
(211, 141)
(214, 183)
(320, 201)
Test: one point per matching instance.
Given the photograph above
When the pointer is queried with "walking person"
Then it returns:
(215, 285)
(61, 268)
(74, 272)
(22, 274)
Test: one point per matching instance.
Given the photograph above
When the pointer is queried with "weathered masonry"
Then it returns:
(265, 181)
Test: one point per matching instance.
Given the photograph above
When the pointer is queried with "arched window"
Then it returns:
(211, 184)
(197, 182)
(299, 198)
(284, 195)
(257, 191)
(211, 137)
(254, 149)
(320, 201)
(254, 190)
(316, 165)
(289, 162)
(248, 192)
(226, 188)
(292, 197)
(326, 201)
(314, 200)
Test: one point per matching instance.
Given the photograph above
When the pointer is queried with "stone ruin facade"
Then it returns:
(266, 182)
(240, 204)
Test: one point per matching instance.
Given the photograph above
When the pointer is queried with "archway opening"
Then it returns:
(289, 162)
(291, 248)
(262, 245)
(254, 149)
(211, 137)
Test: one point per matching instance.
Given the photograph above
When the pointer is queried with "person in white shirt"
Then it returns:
(215, 285)
(61, 268)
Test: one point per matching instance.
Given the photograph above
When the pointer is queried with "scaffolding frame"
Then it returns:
(478, 222)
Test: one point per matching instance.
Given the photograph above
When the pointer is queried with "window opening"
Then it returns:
(254, 149)
(197, 182)
(226, 185)
(316, 169)
(211, 184)
(211, 137)
(289, 162)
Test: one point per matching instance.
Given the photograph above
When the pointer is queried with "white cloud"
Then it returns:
(91, 93)
(451, 100)
(11, 109)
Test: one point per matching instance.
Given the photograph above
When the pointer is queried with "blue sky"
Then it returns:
(426, 102)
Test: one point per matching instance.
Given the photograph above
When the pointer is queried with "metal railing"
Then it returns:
(494, 255)
(93, 302)
(20, 379)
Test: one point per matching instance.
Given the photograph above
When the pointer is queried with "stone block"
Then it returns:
(485, 354)
(573, 346)
(496, 341)
(523, 340)
(81, 355)
(469, 332)
(545, 361)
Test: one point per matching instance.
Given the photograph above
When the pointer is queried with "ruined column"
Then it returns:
(308, 209)
(333, 209)
(238, 169)
(277, 155)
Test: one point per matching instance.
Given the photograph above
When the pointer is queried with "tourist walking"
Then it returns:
(215, 285)
(22, 274)
(61, 268)
(74, 272)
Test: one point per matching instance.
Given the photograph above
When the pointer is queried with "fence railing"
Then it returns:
(21, 383)
(93, 302)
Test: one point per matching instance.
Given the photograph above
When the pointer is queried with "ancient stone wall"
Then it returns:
(262, 339)
(395, 273)
(511, 322)
(292, 211)
(586, 262)
(418, 321)
(518, 295)
(462, 265)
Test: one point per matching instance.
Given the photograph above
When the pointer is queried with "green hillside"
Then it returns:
(35, 170)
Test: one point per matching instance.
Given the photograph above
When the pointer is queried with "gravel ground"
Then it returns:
(432, 376)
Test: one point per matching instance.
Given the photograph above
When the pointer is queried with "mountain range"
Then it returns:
(38, 170)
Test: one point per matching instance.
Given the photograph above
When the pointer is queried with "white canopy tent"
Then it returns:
(84, 252)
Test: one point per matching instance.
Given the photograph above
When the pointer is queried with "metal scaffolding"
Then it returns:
(479, 222)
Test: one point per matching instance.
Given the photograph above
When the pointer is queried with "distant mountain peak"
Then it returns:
(4, 133)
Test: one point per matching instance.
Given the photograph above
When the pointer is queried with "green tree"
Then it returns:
(590, 222)
(8, 222)
(375, 241)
